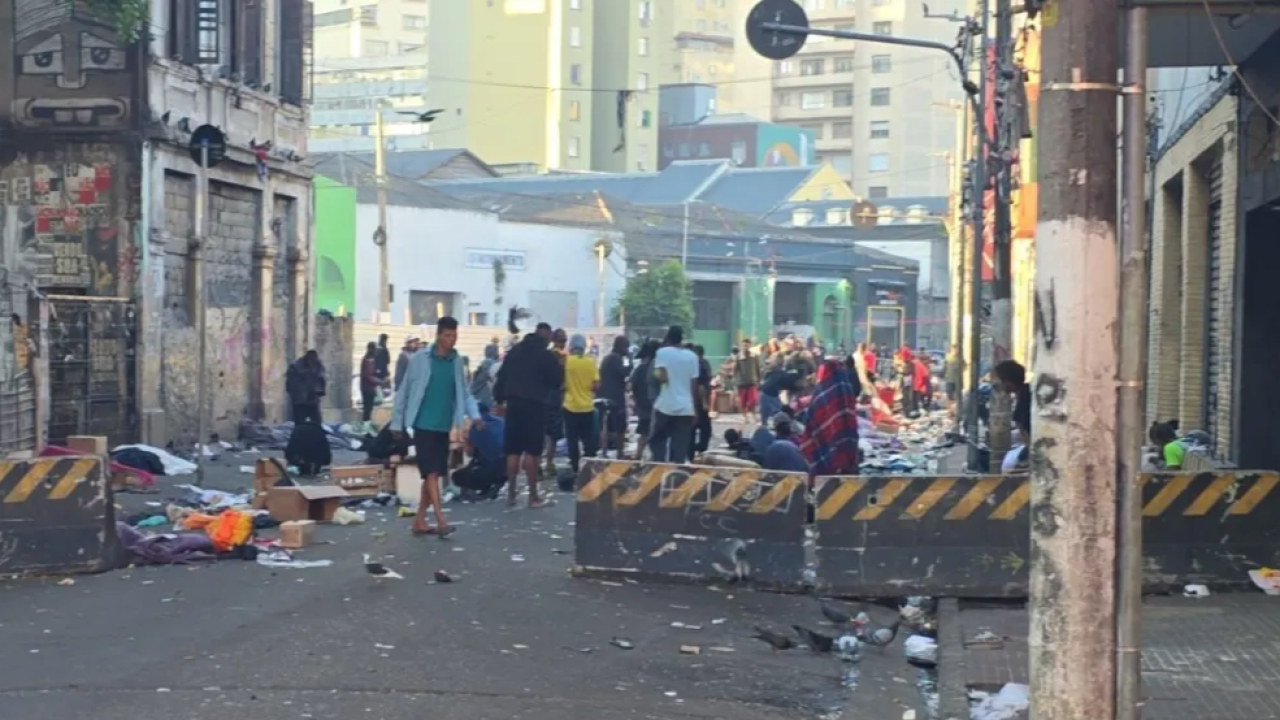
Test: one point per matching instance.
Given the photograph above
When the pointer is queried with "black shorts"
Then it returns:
(616, 418)
(554, 427)
(525, 432)
(644, 423)
(432, 451)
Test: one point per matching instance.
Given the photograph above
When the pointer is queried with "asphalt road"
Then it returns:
(515, 637)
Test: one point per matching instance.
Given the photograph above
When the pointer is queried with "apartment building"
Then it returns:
(882, 114)
(369, 56)
(562, 84)
(704, 48)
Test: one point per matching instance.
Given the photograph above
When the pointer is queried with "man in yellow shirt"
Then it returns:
(581, 377)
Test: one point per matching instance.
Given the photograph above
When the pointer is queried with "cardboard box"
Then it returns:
(360, 480)
(87, 444)
(297, 534)
(305, 502)
(265, 476)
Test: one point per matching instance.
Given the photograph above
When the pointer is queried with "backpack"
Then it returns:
(308, 449)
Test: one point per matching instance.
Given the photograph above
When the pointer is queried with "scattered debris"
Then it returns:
(1013, 698)
(622, 643)
(685, 626)
(67, 581)
(443, 577)
(690, 650)
(1196, 591)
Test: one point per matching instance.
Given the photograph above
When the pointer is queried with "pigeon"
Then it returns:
(380, 571)
(776, 641)
(848, 649)
(879, 637)
(423, 117)
(817, 642)
(830, 612)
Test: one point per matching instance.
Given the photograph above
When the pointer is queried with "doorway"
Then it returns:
(1258, 412)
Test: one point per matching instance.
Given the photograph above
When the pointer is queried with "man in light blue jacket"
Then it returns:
(435, 401)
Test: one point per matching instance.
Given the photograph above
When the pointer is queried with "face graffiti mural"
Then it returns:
(70, 72)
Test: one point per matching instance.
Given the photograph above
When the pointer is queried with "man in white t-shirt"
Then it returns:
(674, 412)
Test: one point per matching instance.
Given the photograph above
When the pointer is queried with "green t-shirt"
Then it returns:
(436, 412)
(1174, 453)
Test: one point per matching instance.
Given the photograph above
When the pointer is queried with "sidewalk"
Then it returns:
(1217, 658)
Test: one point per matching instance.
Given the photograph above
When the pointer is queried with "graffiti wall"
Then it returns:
(63, 69)
(65, 213)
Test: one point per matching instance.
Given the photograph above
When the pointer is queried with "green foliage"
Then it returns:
(127, 17)
(661, 297)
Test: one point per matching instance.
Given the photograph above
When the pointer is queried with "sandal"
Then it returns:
(445, 533)
(422, 533)
(541, 503)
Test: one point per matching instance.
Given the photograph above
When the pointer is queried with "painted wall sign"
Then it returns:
(480, 258)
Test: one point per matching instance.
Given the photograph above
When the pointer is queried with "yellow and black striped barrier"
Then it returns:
(690, 523)
(56, 516)
(970, 535)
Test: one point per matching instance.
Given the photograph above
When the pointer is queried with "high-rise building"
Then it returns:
(370, 56)
(564, 84)
(883, 115)
(704, 49)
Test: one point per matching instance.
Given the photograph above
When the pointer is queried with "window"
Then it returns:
(294, 40)
(813, 4)
(784, 67)
(881, 64)
(375, 48)
(878, 192)
(413, 22)
(575, 110)
(811, 67)
(668, 150)
(369, 14)
(209, 50)
(842, 130)
(704, 149)
(642, 81)
(575, 36)
(684, 150)
(842, 98)
(879, 3)
(884, 27)
(642, 47)
(816, 129)
(813, 100)
(879, 129)
(738, 151)
(784, 99)
(720, 3)
(843, 65)
(575, 74)
(878, 162)
(879, 97)
(842, 164)
(574, 147)
(411, 47)
(575, 4)
(646, 118)
(645, 12)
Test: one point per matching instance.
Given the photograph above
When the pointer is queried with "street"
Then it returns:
(514, 637)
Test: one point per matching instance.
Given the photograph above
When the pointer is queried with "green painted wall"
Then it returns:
(335, 245)
(832, 319)
(755, 310)
(715, 342)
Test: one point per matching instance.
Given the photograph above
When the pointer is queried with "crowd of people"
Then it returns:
(801, 405)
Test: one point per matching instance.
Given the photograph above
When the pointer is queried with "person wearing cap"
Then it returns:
(783, 453)
(581, 379)
(411, 345)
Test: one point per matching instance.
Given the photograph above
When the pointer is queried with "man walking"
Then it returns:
(530, 376)
(382, 362)
(674, 412)
(748, 380)
(437, 404)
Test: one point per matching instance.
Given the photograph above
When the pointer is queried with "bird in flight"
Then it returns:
(423, 117)
(380, 571)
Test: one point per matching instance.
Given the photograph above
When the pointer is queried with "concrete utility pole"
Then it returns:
(978, 193)
(380, 236)
(1073, 466)
(202, 308)
(1002, 230)
(1133, 363)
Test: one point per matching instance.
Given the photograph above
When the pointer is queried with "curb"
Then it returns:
(953, 691)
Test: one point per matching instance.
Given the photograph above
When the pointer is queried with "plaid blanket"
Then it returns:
(830, 440)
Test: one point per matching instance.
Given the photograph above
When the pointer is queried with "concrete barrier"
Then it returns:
(970, 535)
(690, 523)
(56, 516)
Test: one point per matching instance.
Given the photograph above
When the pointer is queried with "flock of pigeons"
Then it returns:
(847, 646)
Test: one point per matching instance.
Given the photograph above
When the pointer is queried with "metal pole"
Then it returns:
(1133, 361)
(959, 251)
(684, 240)
(1073, 466)
(202, 310)
(384, 262)
(979, 186)
(1002, 231)
(600, 314)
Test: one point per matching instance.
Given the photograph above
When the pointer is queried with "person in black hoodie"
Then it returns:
(304, 383)
(530, 375)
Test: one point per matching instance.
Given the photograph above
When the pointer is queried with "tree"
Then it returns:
(127, 17)
(661, 297)
(499, 284)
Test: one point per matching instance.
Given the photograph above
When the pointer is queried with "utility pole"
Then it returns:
(959, 251)
(978, 194)
(1002, 230)
(1133, 362)
(1073, 465)
(202, 308)
(380, 237)
(684, 239)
